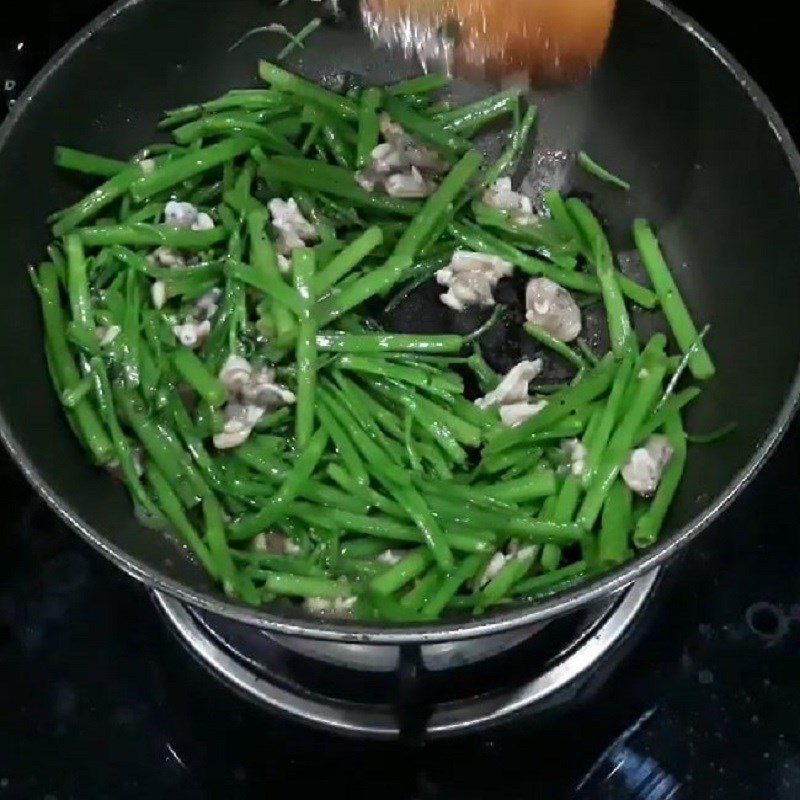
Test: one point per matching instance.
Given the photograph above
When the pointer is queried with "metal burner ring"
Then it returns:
(378, 721)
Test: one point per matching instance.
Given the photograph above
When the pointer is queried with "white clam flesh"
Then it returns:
(471, 278)
(645, 466)
(552, 308)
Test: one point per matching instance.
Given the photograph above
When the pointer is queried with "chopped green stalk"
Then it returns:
(615, 526)
(383, 527)
(377, 343)
(382, 608)
(561, 216)
(619, 323)
(597, 440)
(648, 385)
(135, 261)
(556, 345)
(588, 352)
(368, 127)
(683, 328)
(559, 406)
(537, 531)
(370, 284)
(71, 397)
(414, 599)
(419, 228)
(470, 118)
(197, 375)
(257, 564)
(57, 257)
(122, 448)
(332, 180)
(294, 85)
(501, 585)
(432, 534)
(419, 126)
(275, 508)
(524, 462)
(431, 414)
(147, 213)
(174, 511)
(469, 412)
(303, 265)
(378, 461)
(244, 182)
(95, 201)
(537, 484)
(171, 173)
(142, 234)
(514, 149)
(551, 581)
(541, 234)
(239, 99)
(274, 420)
(513, 459)
(163, 448)
(262, 252)
(302, 586)
(64, 369)
(312, 136)
(594, 169)
(563, 510)
(429, 417)
(347, 259)
(486, 376)
(275, 287)
(396, 577)
(413, 457)
(344, 445)
(298, 40)
(338, 148)
(422, 84)
(364, 548)
(218, 545)
(78, 284)
(671, 405)
(474, 238)
(88, 163)
(270, 137)
(466, 570)
(714, 436)
(374, 417)
(344, 131)
(650, 523)
(442, 385)
(192, 436)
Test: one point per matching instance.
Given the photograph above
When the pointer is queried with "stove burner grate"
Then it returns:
(426, 691)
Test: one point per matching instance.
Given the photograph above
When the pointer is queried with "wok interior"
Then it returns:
(662, 110)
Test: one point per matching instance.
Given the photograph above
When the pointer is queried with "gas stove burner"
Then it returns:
(432, 691)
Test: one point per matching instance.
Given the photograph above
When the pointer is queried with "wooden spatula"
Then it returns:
(547, 41)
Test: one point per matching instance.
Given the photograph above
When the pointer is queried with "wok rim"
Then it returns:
(558, 604)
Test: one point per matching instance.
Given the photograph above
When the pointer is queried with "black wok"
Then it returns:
(710, 162)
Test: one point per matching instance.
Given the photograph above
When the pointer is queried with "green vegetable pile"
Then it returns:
(368, 484)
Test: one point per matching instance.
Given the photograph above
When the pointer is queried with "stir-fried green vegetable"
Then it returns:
(600, 172)
(210, 327)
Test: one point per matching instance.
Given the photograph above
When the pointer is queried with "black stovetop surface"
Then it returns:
(97, 699)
